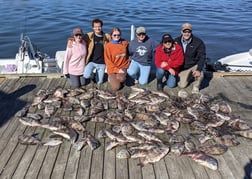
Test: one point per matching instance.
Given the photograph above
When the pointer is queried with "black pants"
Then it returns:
(76, 81)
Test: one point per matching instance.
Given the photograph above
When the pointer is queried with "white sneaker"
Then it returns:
(195, 90)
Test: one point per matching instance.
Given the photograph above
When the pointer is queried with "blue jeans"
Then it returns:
(171, 81)
(140, 72)
(100, 70)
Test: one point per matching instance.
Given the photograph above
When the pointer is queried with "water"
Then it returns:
(224, 26)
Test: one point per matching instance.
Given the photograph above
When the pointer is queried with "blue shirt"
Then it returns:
(142, 52)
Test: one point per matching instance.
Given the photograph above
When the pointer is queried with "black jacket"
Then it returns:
(195, 53)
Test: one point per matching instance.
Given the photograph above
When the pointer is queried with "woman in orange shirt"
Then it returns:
(116, 59)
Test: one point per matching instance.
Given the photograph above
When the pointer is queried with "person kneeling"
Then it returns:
(168, 59)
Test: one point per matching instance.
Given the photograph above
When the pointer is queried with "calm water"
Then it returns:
(225, 26)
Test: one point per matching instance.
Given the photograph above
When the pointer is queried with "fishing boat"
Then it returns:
(240, 62)
(29, 60)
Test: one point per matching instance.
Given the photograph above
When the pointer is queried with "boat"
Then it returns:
(30, 60)
(240, 62)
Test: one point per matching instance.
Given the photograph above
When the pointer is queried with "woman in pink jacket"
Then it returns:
(169, 57)
(75, 56)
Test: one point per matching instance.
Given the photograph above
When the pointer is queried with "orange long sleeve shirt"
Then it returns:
(116, 57)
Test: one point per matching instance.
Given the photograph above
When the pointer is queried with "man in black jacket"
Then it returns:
(195, 56)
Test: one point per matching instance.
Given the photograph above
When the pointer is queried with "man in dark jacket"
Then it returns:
(195, 56)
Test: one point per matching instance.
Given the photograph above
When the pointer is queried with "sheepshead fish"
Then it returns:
(73, 100)
(245, 133)
(60, 92)
(123, 154)
(152, 108)
(172, 126)
(29, 139)
(34, 116)
(97, 118)
(85, 103)
(39, 99)
(226, 140)
(101, 134)
(114, 136)
(30, 122)
(176, 139)
(183, 94)
(133, 138)
(224, 107)
(203, 159)
(138, 153)
(204, 138)
(76, 125)
(149, 136)
(161, 94)
(177, 148)
(215, 123)
(105, 94)
(155, 155)
(189, 144)
(67, 133)
(155, 100)
(126, 129)
(80, 144)
(22, 112)
(92, 142)
(111, 144)
(53, 142)
(239, 124)
(215, 149)
(75, 92)
(162, 118)
(79, 111)
(49, 110)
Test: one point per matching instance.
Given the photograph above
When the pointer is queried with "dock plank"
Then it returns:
(9, 141)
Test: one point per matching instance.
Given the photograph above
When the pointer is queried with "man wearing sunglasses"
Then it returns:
(141, 52)
(195, 55)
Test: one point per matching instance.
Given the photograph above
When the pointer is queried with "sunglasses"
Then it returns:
(76, 35)
(143, 34)
(187, 31)
(167, 41)
(116, 35)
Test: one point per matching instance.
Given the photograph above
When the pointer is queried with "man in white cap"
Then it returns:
(141, 51)
(195, 57)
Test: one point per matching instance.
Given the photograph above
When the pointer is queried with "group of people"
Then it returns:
(178, 61)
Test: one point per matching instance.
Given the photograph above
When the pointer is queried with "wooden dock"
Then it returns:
(63, 161)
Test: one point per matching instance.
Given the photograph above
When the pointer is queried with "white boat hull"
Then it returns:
(241, 62)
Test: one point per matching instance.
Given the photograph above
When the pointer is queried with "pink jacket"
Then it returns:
(74, 62)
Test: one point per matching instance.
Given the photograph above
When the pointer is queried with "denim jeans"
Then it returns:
(171, 81)
(140, 72)
(100, 70)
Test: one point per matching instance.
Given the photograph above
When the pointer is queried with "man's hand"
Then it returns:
(172, 71)
(163, 64)
(196, 73)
